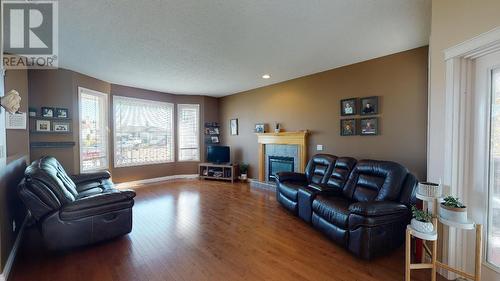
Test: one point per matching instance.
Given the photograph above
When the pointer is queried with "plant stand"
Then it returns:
(433, 253)
(478, 251)
(435, 264)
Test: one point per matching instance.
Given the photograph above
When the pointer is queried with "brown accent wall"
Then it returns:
(59, 88)
(12, 209)
(312, 103)
(11, 173)
(18, 140)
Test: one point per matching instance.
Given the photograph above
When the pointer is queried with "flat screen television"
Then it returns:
(218, 154)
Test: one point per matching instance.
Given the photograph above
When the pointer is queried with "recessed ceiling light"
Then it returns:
(266, 76)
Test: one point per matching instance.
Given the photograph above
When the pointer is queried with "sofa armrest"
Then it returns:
(326, 190)
(99, 200)
(377, 208)
(98, 204)
(291, 176)
(81, 178)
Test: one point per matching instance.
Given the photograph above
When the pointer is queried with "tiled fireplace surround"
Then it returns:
(282, 144)
(281, 150)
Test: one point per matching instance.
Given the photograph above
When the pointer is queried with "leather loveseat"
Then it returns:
(363, 206)
(75, 210)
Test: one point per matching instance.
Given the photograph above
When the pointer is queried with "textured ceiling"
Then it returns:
(221, 47)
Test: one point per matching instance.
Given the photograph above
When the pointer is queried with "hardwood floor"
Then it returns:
(207, 230)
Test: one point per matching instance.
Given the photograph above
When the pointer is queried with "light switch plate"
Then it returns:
(319, 147)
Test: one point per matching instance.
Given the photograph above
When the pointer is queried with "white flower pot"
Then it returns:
(453, 214)
(429, 189)
(424, 227)
(243, 177)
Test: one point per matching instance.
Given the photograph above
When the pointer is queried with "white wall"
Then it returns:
(453, 21)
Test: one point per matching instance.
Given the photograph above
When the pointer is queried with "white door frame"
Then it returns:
(458, 141)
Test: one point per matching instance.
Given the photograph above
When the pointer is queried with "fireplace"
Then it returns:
(278, 164)
(291, 144)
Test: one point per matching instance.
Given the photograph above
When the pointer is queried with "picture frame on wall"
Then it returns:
(42, 125)
(369, 126)
(48, 112)
(214, 139)
(61, 127)
(260, 128)
(369, 106)
(348, 107)
(233, 126)
(348, 127)
(32, 112)
(62, 113)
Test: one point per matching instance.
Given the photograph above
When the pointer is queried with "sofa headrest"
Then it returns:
(409, 190)
(319, 166)
(340, 172)
(47, 173)
(373, 180)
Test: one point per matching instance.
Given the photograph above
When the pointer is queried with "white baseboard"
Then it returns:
(139, 183)
(4, 276)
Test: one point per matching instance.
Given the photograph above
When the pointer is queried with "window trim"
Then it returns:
(115, 165)
(198, 159)
(106, 128)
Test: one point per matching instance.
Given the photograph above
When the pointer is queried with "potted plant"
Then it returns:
(421, 221)
(453, 210)
(243, 171)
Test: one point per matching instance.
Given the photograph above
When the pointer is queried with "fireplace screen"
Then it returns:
(279, 164)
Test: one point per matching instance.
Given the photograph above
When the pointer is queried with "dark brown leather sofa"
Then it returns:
(75, 210)
(290, 183)
(363, 206)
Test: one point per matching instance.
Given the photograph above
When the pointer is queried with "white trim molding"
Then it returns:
(4, 276)
(458, 134)
(478, 46)
(140, 183)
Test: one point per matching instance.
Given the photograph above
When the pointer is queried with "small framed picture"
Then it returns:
(42, 125)
(369, 106)
(233, 126)
(369, 126)
(214, 139)
(348, 107)
(47, 112)
(212, 131)
(62, 113)
(61, 127)
(32, 112)
(348, 127)
(260, 128)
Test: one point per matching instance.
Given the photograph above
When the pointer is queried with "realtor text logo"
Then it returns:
(29, 34)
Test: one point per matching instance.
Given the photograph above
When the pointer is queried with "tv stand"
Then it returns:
(227, 172)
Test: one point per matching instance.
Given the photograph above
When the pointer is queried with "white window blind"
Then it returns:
(188, 127)
(143, 132)
(93, 130)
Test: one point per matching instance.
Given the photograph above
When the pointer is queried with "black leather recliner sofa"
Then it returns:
(289, 182)
(363, 206)
(75, 210)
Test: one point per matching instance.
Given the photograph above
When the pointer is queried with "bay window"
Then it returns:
(143, 132)
(93, 125)
(188, 130)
